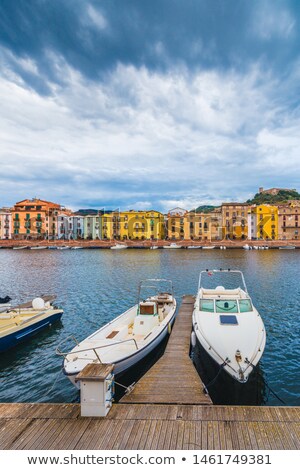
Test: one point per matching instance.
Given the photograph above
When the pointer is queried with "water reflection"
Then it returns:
(94, 286)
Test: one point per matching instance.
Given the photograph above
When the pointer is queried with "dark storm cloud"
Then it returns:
(148, 103)
(94, 36)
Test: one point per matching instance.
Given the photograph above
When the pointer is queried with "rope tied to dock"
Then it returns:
(265, 382)
(215, 378)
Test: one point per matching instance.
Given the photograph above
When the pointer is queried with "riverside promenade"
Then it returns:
(140, 244)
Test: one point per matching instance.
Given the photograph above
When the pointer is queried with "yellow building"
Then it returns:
(133, 225)
(263, 222)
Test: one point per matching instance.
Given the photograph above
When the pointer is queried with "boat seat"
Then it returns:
(221, 292)
(143, 324)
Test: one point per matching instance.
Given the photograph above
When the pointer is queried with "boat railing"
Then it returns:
(66, 354)
(222, 271)
(153, 284)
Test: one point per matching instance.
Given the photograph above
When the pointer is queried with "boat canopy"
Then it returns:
(235, 277)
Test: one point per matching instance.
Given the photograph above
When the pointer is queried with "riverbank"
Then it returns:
(138, 244)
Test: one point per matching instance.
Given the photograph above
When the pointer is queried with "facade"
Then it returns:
(5, 224)
(92, 227)
(288, 221)
(235, 220)
(203, 226)
(133, 225)
(175, 224)
(35, 219)
(69, 226)
(263, 222)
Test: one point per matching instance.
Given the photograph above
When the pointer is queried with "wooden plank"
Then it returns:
(93, 435)
(94, 372)
(11, 430)
(160, 384)
(150, 427)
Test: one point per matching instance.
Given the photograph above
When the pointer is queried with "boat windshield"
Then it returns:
(226, 306)
(207, 306)
(245, 305)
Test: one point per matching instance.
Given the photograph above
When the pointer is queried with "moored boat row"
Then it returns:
(226, 327)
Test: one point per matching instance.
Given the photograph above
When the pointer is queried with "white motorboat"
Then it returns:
(118, 246)
(63, 247)
(38, 247)
(247, 247)
(226, 325)
(287, 247)
(76, 247)
(20, 247)
(208, 247)
(154, 247)
(130, 337)
(193, 247)
(172, 246)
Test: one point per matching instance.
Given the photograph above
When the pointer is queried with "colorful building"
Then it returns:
(5, 224)
(263, 222)
(175, 224)
(203, 226)
(92, 227)
(69, 226)
(235, 220)
(133, 225)
(288, 221)
(35, 219)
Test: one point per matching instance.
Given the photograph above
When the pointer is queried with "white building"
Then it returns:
(5, 224)
(69, 227)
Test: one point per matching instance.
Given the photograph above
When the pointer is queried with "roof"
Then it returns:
(37, 202)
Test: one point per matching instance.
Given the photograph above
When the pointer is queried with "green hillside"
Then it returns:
(204, 209)
(283, 195)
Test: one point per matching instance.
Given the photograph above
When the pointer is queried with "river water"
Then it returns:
(93, 286)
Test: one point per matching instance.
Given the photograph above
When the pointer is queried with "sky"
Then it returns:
(148, 104)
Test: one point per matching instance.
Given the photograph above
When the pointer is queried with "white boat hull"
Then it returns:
(229, 328)
(127, 339)
(124, 365)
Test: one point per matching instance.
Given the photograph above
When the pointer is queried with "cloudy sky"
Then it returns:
(148, 104)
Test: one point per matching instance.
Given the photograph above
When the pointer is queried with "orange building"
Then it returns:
(34, 219)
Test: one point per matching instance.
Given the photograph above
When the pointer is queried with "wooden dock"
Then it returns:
(173, 379)
(138, 427)
(166, 410)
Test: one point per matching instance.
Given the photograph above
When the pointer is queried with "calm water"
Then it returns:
(94, 286)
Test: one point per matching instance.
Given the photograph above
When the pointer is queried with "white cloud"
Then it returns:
(273, 21)
(96, 17)
(172, 139)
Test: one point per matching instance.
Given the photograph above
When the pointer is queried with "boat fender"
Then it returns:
(193, 339)
(169, 328)
(38, 303)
